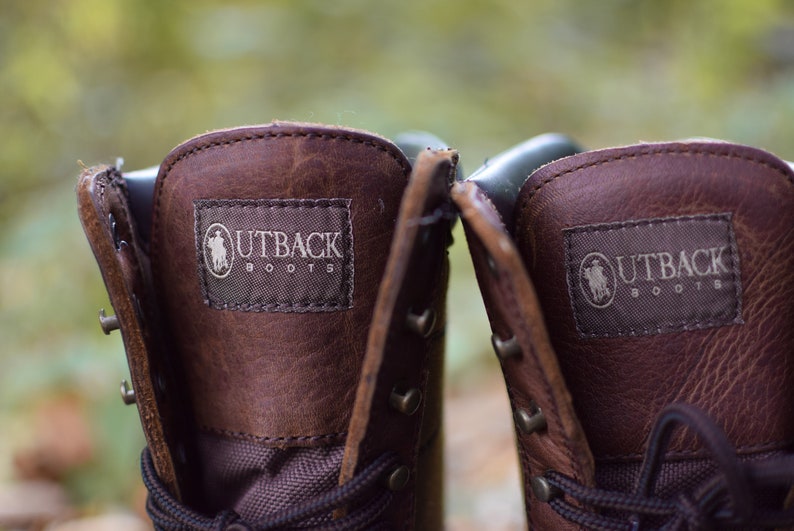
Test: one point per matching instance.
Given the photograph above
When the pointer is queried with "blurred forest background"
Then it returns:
(93, 80)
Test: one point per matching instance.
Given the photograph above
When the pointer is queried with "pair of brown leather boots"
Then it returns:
(280, 291)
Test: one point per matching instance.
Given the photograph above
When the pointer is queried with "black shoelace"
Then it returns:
(168, 514)
(725, 500)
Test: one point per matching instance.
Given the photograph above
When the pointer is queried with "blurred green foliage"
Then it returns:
(92, 80)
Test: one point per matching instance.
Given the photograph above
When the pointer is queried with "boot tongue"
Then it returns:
(665, 274)
(268, 244)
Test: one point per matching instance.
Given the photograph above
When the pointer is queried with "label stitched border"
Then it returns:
(341, 205)
(669, 326)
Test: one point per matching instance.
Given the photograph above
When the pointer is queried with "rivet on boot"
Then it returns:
(423, 323)
(406, 402)
(543, 490)
(505, 348)
(398, 478)
(108, 323)
(127, 393)
(530, 421)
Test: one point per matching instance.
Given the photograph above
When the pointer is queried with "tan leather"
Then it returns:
(534, 375)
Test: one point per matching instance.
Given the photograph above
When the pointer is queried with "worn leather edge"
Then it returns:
(273, 131)
(535, 375)
(93, 189)
(563, 167)
(372, 430)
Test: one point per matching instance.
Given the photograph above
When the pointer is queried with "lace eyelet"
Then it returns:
(543, 490)
(398, 478)
(406, 401)
(505, 348)
(421, 324)
(530, 421)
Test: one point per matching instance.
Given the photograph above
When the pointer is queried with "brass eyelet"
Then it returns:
(398, 478)
(530, 421)
(406, 402)
(108, 323)
(421, 324)
(506, 348)
(127, 393)
(543, 490)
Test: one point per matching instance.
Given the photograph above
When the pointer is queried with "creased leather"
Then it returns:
(289, 379)
(513, 310)
(247, 371)
(741, 374)
(415, 279)
(101, 194)
(739, 369)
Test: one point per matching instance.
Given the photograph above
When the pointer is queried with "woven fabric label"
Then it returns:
(653, 276)
(275, 255)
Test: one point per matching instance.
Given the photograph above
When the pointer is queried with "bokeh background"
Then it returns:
(93, 80)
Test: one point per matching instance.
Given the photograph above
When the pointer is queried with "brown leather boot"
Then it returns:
(280, 292)
(642, 304)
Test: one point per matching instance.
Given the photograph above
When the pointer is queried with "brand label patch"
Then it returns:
(275, 255)
(653, 276)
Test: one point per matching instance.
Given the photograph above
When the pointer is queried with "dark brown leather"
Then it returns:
(612, 379)
(415, 280)
(741, 374)
(109, 226)
(242, 364)
(534, 375)
(287, 375)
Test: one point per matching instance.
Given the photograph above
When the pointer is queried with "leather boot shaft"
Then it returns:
(267, 307)
(633, 291)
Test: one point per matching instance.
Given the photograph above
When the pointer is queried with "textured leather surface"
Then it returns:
(606, 391)
(283, 379)
(741, 374)
(534, 375)
(111, 232)
(415, 280)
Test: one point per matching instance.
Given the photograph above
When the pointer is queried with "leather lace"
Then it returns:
(724, 500)
(168, 514)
